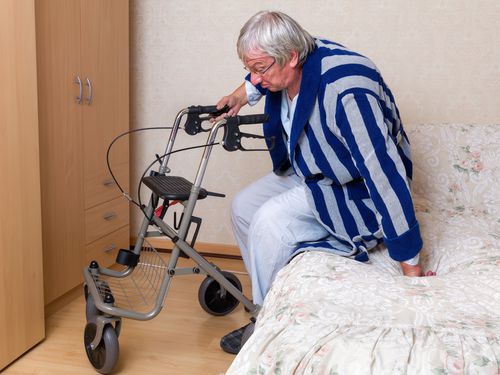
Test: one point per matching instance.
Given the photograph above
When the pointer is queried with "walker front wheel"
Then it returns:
(105, 356)
(215, 299)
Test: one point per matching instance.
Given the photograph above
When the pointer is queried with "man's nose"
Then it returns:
(255, 79)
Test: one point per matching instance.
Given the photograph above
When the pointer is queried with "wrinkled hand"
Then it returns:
(415, 271)
(235, 100)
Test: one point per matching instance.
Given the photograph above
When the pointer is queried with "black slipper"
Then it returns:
(233, 341)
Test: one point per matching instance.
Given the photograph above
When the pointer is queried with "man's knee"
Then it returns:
(270, 216)
(240, 206)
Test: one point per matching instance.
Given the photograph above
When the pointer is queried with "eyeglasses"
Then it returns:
(260, 72)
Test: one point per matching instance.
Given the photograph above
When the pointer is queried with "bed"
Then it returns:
(326, 314)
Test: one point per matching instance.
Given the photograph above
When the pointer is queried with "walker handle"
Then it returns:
(248, 119)
(207, 109)
(200, 109)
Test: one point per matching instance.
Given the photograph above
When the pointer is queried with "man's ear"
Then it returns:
(294, 59)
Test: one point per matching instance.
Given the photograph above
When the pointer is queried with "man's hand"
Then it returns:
(414, 271)
(235, 100)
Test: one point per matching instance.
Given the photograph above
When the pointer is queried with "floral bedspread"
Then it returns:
(330, 315)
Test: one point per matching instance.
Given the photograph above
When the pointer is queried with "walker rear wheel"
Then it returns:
(215, 299)
(105, 355)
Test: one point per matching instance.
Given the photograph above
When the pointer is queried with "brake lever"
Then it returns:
(272, 140)
(233, 136)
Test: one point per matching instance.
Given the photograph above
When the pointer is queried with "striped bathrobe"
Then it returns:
(348, 145)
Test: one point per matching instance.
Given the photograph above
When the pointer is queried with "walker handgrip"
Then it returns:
(200, 109)
(249, 119)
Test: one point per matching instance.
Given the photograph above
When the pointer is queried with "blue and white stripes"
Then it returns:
(348, 144)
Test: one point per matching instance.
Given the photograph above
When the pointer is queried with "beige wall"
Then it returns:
(440, 58)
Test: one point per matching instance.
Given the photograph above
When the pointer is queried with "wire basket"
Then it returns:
(139, 290)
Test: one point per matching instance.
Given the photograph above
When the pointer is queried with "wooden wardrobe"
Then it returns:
(83, 99)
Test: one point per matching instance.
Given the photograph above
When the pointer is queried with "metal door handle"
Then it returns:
(90, 97)
(78, 81)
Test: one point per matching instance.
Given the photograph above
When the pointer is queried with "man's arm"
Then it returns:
(235, 100)
(246, 93)
(361, 122)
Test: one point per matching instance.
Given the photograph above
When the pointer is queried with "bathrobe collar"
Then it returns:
(309, 86)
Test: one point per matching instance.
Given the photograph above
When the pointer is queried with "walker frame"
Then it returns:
(139, 290)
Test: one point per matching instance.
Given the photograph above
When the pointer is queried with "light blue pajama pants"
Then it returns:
(270, 218)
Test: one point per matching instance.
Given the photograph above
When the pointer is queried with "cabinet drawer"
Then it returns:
(105, 218)
(104, 250)
(102, 188)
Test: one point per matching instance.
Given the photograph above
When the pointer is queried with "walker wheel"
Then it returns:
(105, 356)
(215, 299)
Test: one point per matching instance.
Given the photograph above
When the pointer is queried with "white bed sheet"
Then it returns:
(330, 315)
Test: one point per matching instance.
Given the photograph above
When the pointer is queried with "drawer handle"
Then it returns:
(110, 248)
(108, 183)
(109, 216)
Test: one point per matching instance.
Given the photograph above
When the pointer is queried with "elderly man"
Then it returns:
(341, 160)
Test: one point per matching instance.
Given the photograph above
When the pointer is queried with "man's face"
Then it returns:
(265, 70)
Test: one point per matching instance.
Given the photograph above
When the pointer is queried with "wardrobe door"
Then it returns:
(21, 279)
(60, 83)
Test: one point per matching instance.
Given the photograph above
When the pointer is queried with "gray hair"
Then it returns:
(275, 34)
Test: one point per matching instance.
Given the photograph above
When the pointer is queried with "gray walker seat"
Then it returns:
(139, 289)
